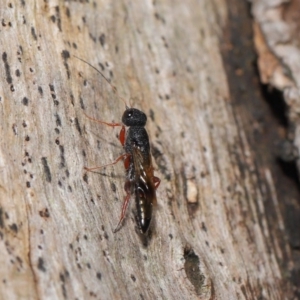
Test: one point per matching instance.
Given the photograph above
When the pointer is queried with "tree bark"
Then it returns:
(219, 230)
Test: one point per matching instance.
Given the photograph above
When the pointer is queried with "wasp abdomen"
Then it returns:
(144, 203)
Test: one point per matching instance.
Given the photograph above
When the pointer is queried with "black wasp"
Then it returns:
(140, 179)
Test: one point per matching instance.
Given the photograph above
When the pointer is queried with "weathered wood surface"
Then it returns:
(211, 238)
(276, 34)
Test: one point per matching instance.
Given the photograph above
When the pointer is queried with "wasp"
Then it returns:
(140, 180)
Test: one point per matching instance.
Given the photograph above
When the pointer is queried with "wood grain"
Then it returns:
(210, 239)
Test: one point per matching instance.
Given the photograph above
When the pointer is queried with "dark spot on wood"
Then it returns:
(51, 86)
(41, 231)
(72, 99)
(15, 129)
(7, 68)
(1, 218)
(40, 90)
(18, 73)
(81, 102)
(101, 66)
(93, 38)
(44, 213)
(203, 227)
(106, 235)
(170, 236)
(25, 101)
(68, 14)
(13, 227)
(12, 88)
(151, 115)
(77, 126)
(99, 276)
(74, 45)
(85, 237)
(57, 130)
(66, 55)
(33, 33)
(57, 120)
(62, 279)
(207, 243)
(113, 187)
(41, 265)
(57, 14)
(133, 278)
(27, 184)
(192, 270)
(102, 39)
(62, 156)
(161, 162)
(19, 260)
(85, 177)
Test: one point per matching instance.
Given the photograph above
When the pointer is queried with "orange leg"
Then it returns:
(102, 122)
(156, 182)
(125, 155)
(125, 205)
(122, 135)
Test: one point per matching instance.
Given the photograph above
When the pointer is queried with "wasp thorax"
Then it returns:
(134, 117)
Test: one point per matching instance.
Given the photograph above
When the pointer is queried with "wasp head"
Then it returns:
(134, 117)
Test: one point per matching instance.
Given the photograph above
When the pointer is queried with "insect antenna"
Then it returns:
(115, 90)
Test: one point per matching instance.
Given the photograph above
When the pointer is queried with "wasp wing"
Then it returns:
(144, 189)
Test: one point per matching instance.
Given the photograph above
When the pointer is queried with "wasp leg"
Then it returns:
(102, 122)
(122, 135)
(124, 207)
(125, 155)
(156, 182)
